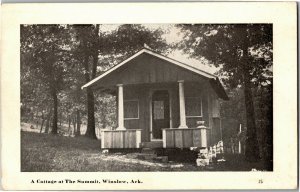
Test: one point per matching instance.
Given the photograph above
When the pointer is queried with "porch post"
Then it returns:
(120, 108)
(182, 105)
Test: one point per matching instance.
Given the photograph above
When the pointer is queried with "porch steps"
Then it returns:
(152, 144)
(151, 154)
(148, 151)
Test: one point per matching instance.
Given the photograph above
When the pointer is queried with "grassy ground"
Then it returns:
(45, 152)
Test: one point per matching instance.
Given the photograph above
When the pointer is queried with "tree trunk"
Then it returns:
(90, 131)
(69, 124)
(74, 125)
(78, 122)
(269, 140)
(55, 107)
(47, 124)
(32, 117)
(37, 119)
(60, 119)
(43, 120)
(90, 74)
(48, 121)
(252, 148)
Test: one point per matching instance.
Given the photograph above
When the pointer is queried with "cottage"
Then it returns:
(160, 100)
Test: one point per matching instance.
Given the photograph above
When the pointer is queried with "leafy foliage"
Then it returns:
(56, 60)
(45, 54)
(226, 46)
(244, 54)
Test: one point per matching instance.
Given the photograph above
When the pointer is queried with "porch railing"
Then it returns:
(184, 138)
(129, 138)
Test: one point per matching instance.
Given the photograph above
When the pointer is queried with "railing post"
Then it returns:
(102, 139)
(138, 138)
(203, 133)
(164, 138)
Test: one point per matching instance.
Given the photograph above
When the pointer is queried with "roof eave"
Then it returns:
(219, 89)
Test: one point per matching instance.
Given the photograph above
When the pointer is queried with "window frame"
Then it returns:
(194, 116)
(138, 109)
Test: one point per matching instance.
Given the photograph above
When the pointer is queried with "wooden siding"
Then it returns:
(142, 93)
(130, 138)
(216, 131)
(147, 69)
(192, 122)
(214, 134)
(198, 90)
(183, 138)
(215, 106)
(131, 123)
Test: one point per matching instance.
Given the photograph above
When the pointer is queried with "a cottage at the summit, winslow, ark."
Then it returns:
(161, 103)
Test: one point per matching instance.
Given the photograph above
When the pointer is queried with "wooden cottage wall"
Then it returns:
(175, 107)
(142, 94)
(139, 93)
(210, 109)
(216, 126)
(191, 90)
(147, 73)
(214, 118)
(147, 69)
(131, 94)
(197, 90)
(145, 114)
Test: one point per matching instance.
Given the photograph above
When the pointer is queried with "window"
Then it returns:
(193, 107)
(131, 109)
(158, 109)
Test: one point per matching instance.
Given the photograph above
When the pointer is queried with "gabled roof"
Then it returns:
(173, 61)
(178, 63)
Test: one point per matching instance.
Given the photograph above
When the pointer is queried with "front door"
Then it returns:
(160, 113)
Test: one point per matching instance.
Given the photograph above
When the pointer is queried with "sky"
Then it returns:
(172, 35)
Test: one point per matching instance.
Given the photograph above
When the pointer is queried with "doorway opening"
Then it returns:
(160, 108)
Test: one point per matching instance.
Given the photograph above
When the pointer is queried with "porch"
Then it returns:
(172, 138)
(163, 115)
(159, 102)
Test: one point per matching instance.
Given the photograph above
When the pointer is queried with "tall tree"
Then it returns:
(46, 48)
(87, 52)
(244, 53)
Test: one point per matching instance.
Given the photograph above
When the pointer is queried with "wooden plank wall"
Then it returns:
(214, 133)
(182, 138)
(140, 93)
(149, 69)
(193, 89)
(121, 139)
